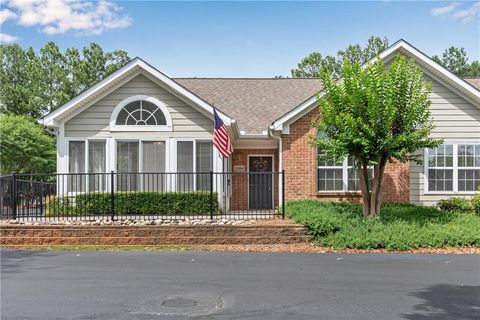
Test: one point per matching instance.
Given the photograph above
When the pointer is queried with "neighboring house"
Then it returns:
(140, 120)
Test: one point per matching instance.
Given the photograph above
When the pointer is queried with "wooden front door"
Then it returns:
(260, 182)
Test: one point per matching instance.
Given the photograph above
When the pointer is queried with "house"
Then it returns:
(140, 120)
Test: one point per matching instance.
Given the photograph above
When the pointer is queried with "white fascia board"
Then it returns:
(308, 105)
(50, 119)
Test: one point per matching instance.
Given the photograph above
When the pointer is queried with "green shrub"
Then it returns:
(139, 203)
(476, 203)
(456, 204)
(399, 226)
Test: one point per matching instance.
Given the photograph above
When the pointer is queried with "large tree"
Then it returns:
(374, 115)
(35, 83)
(25, 146)
(311, 66)
(456, 60)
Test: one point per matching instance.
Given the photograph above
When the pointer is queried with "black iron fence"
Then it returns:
(155, 195)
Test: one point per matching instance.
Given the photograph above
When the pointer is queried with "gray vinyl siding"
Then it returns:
(95, 120)
(456, 121)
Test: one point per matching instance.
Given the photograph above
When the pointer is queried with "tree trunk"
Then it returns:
(376, 195)
(362, 169)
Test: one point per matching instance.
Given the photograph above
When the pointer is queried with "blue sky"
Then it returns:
(239, 39)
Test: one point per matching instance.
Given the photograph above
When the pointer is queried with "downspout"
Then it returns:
(280, 161)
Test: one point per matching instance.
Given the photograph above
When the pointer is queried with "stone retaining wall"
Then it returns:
(151, 235)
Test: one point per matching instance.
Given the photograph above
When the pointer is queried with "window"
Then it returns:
(335, 175)
(154, 166)
(76, 164)
(440, 171)
(141, 113)
(96, 165)
(453, 168)
(127, 165)
(194, 156)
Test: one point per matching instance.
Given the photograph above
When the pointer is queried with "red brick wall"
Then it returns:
(240, 181)
(300, 165)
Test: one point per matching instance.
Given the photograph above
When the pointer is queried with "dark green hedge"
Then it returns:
(141, 203)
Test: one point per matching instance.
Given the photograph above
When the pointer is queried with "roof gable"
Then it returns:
(131, 69)
(445, 77)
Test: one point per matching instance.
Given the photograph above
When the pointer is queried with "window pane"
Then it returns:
(76, 164)
(441, 156)
(204, 163)
(468, 180)
(96, 164)
(328, 163)
(469, 155)
(440, 180)
(127, 165)
(330, 179)
(153, 177)
(185, 165)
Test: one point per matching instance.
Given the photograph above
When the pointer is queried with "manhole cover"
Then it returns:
(191, 304)
(179, 303)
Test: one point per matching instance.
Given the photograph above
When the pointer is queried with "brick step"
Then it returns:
(151, 235)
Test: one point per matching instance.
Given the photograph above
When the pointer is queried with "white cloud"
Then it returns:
(458, 11)
(469, 14)
(6, 15)
(6, 38)
(438, 11)
(62, 16)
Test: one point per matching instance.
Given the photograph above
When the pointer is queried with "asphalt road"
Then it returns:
(214, 285)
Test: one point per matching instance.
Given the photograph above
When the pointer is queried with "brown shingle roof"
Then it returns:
(474, 82)
(253, 103)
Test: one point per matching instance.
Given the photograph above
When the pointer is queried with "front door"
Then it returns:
(260, 182)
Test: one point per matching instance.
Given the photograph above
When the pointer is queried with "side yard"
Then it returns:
(399, 226)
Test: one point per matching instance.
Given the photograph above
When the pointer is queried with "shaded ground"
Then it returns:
(223, 285)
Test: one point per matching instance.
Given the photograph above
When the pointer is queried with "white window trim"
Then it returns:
(162, 106)
(344, 168)
(455, 169)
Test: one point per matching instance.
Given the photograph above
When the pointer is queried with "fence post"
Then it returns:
(112, 194)
(14, 195)
(211, 194)
(283, 194)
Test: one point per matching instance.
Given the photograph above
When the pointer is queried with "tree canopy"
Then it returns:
(314, 63)
(25, 146)
(454, 59)
(35, 83)
(374, 115)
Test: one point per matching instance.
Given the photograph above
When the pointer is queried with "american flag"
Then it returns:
(221, 140)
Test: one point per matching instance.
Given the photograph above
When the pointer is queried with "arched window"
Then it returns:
(139, 113)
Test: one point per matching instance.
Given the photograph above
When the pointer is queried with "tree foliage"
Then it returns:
(456, 60)
(35, 83)
(375, 115)
(311, 66)
(25, 146)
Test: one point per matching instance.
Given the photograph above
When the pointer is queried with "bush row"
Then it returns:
(399, 226)
(139, 203)
(461, 205)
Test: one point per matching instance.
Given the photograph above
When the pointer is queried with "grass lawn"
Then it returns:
(399, 226)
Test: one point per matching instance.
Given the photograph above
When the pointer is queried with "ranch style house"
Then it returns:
(140, 120)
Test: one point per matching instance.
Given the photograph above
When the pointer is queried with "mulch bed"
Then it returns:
(311, 248)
